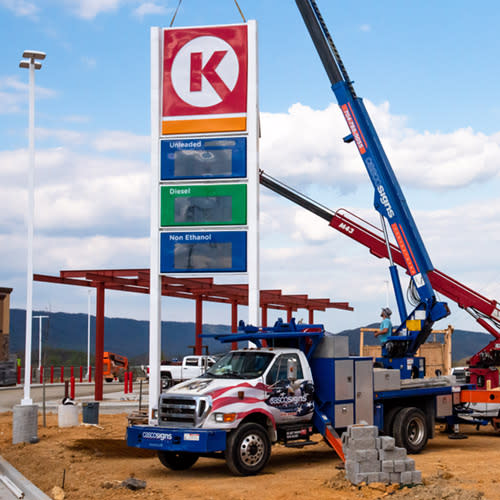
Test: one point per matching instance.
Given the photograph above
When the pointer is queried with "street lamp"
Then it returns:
(31, 62)
(39, 340)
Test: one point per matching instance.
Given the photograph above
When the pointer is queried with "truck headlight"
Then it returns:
(223, 418)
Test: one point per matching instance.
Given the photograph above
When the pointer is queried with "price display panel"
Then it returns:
(208, 205)
(203, 252)
(203, 158)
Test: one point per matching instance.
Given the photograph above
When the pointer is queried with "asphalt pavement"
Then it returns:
(114, 398)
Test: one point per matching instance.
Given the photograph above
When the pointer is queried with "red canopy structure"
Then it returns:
(198, 289)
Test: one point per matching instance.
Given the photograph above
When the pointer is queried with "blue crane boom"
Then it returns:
(389, 201)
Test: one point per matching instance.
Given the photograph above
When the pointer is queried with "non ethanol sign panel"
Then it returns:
(210, 205)
(213, 158)
(205, 79)
(203, 252)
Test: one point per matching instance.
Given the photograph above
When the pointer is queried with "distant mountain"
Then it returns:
(130, 337)
(124, 336)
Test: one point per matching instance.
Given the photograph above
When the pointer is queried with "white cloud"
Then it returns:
(121, 141)
(89, 62)
(150, 8)
(365, 27)
(21, 8)
(89, 9)
(305, 146)
(14, 94)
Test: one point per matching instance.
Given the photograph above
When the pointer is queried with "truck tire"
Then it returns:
(410, 429)
(166, 381)
(177, 460)
(389, 417)
(248, 449)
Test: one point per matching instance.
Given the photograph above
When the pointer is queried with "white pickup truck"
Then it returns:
(191, 367)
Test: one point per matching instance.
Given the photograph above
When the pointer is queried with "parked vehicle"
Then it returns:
(190, 367)
(114, 366)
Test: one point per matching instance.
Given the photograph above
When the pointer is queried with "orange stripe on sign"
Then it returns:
(411, 251)
(205, 125)
(357, 125)
(404, 250)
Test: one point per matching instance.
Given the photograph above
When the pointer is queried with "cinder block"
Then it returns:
(416, 477)
(395, 477)
(387, 443)
(358, 478)
(377, 443)
(361, 444)
(351, 467)
(407, 477)
(384, 477)
(409, 464)
(387, 466)
(399, 466)
(369, 466)
(395, 454)
(361, 455)
(373, 477)
(363, 431)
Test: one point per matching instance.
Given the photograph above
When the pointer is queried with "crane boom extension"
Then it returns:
(485, 311)
(389, 199)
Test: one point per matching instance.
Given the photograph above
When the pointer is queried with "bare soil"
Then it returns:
(92, 461)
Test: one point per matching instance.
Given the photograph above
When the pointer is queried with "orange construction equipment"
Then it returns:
(114, 366)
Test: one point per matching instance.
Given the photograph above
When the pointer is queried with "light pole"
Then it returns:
(30, 62)
(39, 340)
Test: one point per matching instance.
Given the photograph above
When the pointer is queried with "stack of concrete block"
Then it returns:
(373, 459)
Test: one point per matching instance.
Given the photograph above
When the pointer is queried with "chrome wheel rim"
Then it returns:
(416, 431)
(252, 450)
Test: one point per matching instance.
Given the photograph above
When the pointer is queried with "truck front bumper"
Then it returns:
(180, 440)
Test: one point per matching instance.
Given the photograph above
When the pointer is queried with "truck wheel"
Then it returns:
(410, 429)
(248, 449)
(389, 420)
(166, 381)
(177, 460)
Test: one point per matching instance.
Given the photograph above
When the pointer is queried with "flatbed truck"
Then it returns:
(301, 384)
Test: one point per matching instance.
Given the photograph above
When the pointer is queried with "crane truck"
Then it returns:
(303, 382)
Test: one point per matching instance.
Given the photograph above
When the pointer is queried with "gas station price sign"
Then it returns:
(203, 205)
(214, 158)
(205, 252)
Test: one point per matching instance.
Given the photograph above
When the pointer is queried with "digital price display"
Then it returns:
(203, 158)
(203, 252)
(215, 204)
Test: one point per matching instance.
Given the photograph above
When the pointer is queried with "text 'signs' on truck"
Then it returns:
(303, 383)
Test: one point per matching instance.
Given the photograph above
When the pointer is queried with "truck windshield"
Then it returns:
(240, 365)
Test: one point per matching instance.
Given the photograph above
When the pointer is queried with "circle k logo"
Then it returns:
(205, 70)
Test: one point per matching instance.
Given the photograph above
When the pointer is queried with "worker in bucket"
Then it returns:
(385, 330)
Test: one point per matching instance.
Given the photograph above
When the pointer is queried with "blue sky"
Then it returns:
(428, 73)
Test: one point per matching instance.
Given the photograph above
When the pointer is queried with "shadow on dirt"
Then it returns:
(111, 448)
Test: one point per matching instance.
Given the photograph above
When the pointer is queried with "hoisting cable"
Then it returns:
(333, 48)
(175, 13)
(239, 10)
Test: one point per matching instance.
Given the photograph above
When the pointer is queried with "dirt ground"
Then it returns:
(94, 460)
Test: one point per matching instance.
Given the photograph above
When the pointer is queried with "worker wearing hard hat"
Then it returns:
(385, 330)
